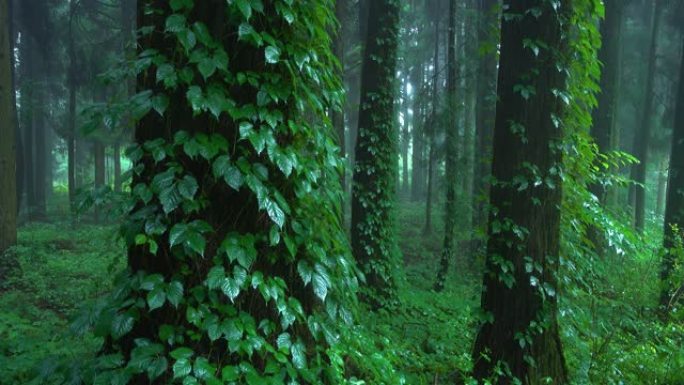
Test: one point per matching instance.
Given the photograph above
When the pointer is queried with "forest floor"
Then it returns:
(610, 337)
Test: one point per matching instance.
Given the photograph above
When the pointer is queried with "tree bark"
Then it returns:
(605, 115)
(8, 195)
(674, 206)
(522, 334)
(488, 37)
(232, 198)
(431, 130)
(71, 111)
(373, 241)
(643, 136)
(451, 151)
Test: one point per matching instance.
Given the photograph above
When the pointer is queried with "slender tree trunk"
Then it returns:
(674, 206)
(373, 241)
(431, 128)
(643, 135)
(418, 136)
(485, 108)
(451, 151)
(405, 142)
(605, 116)
(40, 155)
(71, 112)
(524, 225)
(8, 156)
(662, 186)
(117, 167)
(99, 164)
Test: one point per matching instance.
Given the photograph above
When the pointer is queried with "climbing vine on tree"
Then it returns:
(238, 270)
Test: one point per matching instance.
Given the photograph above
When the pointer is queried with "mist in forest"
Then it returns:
(341, 192)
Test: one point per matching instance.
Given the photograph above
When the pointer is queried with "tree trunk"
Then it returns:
(264, 251)
(8, 195)
(405, 141)
(117, 167)
(373, 197)
(643, 136)
(674, 206)
(99, 165)
(605, 116)
(418, 136)
(524, 225)
(662, 187)
(431, 129)
(40, 136)
(451, 151)
(71, 112)
(488, 38)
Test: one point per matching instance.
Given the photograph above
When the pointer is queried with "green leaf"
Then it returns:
(177, 5)
(121, 325)
(305, 272)
(283, 341)
(230, 373)
(202, 368)
(157, 367)
(181, 368)
(156, 298)
(177, 234)
(196, 242)
(275, 213)
(245, 29)
(167, 74)
(182, 352)
(206, 67)
(215, 277)
(245, 7)
(174, 293)
(187, 39)
(272, 54)
(298, 355)
(320, 286)
(187, 187)
(175, 23)
(195, 98)
(160, 103)
(230, 288)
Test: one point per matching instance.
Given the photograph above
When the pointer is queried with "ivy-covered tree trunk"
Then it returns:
(375, 171)
(235, 241)
(643, 135)
(521, 338)
(451, 152)
(674, 206)
(8, 193)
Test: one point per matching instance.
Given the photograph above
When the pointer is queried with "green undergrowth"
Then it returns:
(609, 321)
(58, 269)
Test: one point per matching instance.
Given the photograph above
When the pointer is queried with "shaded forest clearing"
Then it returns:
(427, 338)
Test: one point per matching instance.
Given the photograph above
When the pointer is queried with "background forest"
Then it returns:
(341, 192)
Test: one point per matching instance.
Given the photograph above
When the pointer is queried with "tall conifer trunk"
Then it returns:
(643, 135)
(373, 190)
(674, 206)
(8, 190)
(522, 336)
(451, 151)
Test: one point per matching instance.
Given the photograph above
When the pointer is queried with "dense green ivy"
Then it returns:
(239, 270)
